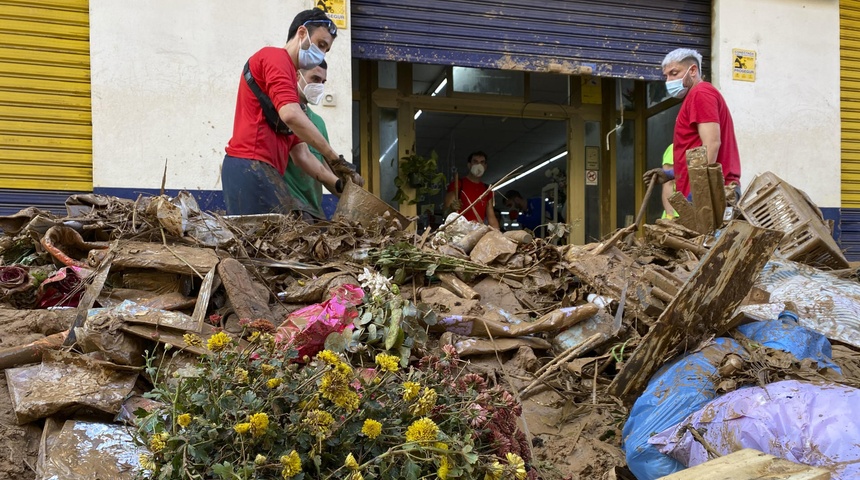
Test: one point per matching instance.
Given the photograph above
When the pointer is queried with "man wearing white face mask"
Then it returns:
(270, 128)
(305, 190)
(704, 120)
(473, 192)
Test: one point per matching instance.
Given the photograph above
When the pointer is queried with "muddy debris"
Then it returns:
(576, 333)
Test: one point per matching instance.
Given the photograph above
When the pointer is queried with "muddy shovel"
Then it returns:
(642, 209)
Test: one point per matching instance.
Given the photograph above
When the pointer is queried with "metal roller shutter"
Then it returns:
(849, 47)
(614, 38)
(45, 114)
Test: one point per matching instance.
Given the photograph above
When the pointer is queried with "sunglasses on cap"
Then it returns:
(332, 28)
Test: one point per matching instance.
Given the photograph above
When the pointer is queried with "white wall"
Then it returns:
(787, 121)
(164, 79)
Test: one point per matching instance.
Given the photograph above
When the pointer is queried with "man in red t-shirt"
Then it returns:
(257, 155)
(472, 189)
(704, 120)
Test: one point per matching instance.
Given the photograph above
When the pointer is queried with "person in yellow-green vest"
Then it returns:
(306, 191)
(668, 187)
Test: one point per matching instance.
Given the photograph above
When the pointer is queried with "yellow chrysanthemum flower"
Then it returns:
(328, 357)
(411, 390)
(422, 430)
(347, 400)
(146, 462)
(267, 369)
(192, 340)
(240, 375)
(218, 342)
(158, 442)
(442, 472)
(425, 403)
(371, 428)
(260, 460)
(183, 420)
(350, 462)
(495, 471)
(259, 424)
(319, 422)
(242, 428)
(274, 382)
(292, 464)
(254, 337)
(518, 465)
(388, 363)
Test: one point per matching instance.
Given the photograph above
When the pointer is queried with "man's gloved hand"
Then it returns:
(345, 171)
(456, 205)
(662, 175)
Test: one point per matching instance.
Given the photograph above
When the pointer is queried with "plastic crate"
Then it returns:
(770, 202)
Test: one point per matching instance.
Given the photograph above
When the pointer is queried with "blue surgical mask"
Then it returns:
(676, 87)
(311, 57)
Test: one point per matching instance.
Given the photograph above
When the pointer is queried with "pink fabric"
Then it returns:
(321, 319)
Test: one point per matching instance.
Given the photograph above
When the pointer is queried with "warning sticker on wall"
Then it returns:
(335, 9)
(591, 177)
(743, 65)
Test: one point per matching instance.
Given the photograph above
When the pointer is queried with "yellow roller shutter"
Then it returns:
(45, 115)
(849, 20)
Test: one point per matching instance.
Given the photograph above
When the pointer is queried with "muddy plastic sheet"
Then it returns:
(66, 382)
(102, 332)
(78, 450)
(552, 322)
(466, 346)
(802, 422)
(134, 313)
(826, 304)
(493, 246)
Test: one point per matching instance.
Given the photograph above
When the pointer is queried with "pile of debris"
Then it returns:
(583, 336)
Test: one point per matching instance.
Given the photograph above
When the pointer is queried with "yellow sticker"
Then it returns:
(743, 65)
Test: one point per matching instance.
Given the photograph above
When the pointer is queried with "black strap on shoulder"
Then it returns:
(269, 111)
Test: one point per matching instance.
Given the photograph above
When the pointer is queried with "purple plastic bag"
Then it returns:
(812, 424)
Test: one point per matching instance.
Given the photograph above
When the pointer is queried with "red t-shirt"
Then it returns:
(275, 73)
(469, 191)
(704, 104)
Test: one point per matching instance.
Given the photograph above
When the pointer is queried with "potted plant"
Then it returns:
(420, 173)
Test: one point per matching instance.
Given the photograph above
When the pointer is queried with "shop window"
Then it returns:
(387, 74)
(549, 88)
(429, 80)
(656, 92)
(624, 174)
(494, 82)
(624, 89)
(388, 161)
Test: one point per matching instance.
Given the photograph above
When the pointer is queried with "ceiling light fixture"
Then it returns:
(530, 171)
(438, 89)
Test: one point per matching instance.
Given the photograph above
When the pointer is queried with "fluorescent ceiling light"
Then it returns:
(417, 114)
(435, 92)
(530, 171)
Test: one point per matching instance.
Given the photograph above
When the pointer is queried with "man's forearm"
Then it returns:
(302, 126)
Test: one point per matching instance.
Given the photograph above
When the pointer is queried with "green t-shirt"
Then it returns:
(303, 187)
(669, 159)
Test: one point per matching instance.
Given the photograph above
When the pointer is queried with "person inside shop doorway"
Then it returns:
(470, 196)
(526, 213)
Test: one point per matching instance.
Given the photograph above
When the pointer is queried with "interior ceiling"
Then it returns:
(509, 142)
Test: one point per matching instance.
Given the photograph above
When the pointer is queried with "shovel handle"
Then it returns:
(645, 200)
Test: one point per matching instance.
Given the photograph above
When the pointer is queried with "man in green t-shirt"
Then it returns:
(304, 189)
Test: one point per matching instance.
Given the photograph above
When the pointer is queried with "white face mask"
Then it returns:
(477, 170)
(313, 92)
(311, 57)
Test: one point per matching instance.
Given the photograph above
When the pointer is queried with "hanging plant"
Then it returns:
(419, 173)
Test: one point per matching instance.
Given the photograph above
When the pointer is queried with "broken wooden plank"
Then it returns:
(243, 295)
(749, 464)
(686, 212)
(203, 298)
(166, 258)
(718, 192)
(703, 307)
(92, 292)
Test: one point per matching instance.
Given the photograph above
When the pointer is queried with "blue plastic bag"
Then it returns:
(675, 391)
(790, 337)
